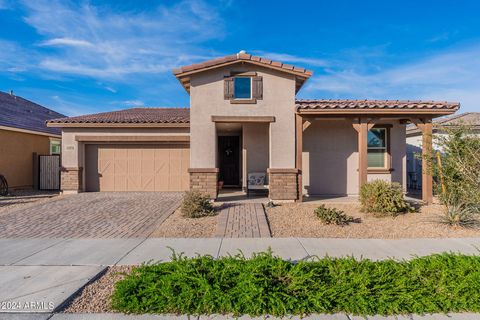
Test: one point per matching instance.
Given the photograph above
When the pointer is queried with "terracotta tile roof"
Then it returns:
(375, 104)
(20, 113)
(467, 118)
(133, 115)
(242, 56)
(183, 73)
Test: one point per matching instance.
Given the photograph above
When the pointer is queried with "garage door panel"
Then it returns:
(162, 166)
(134, 183)
(140, 167)
(120, 183)
(148, 182)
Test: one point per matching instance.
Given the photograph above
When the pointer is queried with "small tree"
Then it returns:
(458, 165)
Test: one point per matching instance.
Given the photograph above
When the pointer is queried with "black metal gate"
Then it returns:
(49, 172)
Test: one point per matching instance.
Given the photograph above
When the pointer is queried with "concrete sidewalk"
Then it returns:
(49, 271)
(106, 252)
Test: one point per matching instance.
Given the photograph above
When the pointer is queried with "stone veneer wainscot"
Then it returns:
(204, 180)
(283, 184)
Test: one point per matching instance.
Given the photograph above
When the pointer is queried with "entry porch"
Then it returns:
(341, 145)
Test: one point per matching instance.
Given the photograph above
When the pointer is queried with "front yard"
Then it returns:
(299, 220)
(178, 226)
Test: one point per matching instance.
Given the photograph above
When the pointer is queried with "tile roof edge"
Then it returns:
(241, 56)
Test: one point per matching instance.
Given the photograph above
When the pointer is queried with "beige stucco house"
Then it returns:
(24, 136)
(243, 118)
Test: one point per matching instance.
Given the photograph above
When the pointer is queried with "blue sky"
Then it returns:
(92, 56)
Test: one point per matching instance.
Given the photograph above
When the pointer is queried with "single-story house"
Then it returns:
(22, 133)
(244, 118)
(440, 125)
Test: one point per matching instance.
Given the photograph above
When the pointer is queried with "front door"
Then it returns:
(229, 160)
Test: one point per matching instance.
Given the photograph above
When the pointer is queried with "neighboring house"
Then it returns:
(414, 142)
(22, 133)
(244, 118)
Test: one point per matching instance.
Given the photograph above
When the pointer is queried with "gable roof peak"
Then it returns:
(183, 73)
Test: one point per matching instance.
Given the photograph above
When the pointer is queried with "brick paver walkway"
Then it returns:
(242, 220)
(92, 215)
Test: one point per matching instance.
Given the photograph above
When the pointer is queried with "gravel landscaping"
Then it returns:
(411, 225)
(95, 297)
(24, 198)
(177, 226)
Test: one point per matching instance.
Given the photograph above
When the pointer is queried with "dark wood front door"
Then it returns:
(229, 160)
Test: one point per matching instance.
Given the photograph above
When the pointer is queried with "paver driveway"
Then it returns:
(92, 215)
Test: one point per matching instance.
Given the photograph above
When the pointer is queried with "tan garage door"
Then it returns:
(137, 167)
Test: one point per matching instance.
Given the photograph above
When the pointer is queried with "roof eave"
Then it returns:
(116, 125)
(35, 132)
(435, 113)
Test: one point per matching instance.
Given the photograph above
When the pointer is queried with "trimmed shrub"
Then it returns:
(195, 205)
(268, 285)
(333, 216)
(382, 197)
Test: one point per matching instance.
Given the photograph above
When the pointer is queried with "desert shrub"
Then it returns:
(268, 285)
(195, 205)
(333, 216)
(382, 197)
(460, 215)
(459, 165)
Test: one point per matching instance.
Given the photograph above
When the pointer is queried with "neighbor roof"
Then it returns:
(467, 118)
(184, 72)
(17, 112)
(130, 116)
(376, 106)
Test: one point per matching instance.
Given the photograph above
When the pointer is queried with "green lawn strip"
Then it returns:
(269, 285)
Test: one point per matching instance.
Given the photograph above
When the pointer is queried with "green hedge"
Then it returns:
(270, 285)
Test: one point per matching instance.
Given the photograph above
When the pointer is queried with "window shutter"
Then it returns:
(257, 86)
(228, 88)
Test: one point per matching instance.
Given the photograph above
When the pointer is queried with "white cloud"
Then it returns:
(452, 75)
(285, 57)
(67, 42)
(135, 103)
(108, 88)
(102, 43)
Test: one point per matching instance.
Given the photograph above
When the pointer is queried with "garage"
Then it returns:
(136, 167)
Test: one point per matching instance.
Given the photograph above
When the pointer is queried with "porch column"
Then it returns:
(427, 179)
(299, 150)
(425, 126)
(362, 129)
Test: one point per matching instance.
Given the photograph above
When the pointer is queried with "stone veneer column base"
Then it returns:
(71, 180)
(204, 180)
(283, 184)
